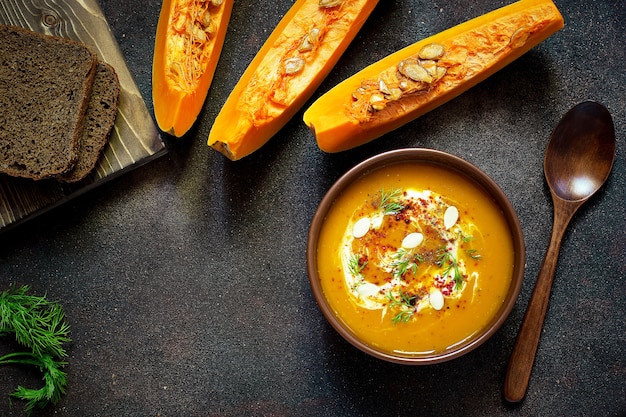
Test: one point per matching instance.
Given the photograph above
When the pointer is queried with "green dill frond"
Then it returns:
(354, 265)
(389, 201)
(403, 261)
(466, 239)
(399, 263)
(443, 257)
(36, 322)
(405, 302)
(55, 380)
(449, 264)
(402, 317)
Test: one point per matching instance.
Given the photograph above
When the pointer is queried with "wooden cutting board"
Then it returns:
(135, 139)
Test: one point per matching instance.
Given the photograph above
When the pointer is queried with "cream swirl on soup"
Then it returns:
(408, 250)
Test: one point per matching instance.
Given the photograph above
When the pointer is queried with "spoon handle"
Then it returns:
(525, 349)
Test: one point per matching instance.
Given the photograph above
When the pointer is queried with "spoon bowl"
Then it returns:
(578, 160)
(580, 153)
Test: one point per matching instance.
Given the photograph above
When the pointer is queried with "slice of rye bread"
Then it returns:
(99, 122)
(45, 85)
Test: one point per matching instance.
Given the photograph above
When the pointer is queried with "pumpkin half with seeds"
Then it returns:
(411, 82)
(292, 63)
(188, 44)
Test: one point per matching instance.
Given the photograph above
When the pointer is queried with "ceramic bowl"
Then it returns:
(449, 162)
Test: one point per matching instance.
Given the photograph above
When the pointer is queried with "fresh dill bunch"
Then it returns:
(39, 325)
(36, 322)
(389, 201)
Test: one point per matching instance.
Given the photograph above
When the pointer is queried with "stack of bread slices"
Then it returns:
(58, 105)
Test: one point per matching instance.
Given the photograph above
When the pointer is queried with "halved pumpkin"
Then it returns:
(292, 63)
(189, 39)
(408, 83)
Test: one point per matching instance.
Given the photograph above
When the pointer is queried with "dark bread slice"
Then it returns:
(99, 122)
(45, 85)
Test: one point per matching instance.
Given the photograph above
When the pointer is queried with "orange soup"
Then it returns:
(414, 258)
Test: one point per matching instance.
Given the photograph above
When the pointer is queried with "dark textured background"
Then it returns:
(185, 280)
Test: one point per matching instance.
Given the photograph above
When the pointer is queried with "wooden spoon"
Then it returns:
(578, 160)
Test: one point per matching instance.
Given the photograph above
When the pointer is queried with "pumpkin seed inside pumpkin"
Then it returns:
(293, 65)
(329, 3)
(193, 27)
(309, 40)
(432, 51)
(415, 72)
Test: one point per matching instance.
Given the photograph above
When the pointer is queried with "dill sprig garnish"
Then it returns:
(406, 303)
(355, 266)
(389, 201)
(39, 325)
(472, 253)
(466, 239)
(404, 261)
(449, 263)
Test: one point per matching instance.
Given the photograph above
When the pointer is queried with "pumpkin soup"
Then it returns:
(414, 258)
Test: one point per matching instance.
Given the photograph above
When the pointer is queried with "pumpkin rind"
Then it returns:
(473, 51)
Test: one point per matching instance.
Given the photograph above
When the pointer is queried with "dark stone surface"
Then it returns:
(185, 280)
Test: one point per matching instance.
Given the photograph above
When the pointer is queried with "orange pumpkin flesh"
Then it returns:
(361, 108)
(292, 63)
(189, 40)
